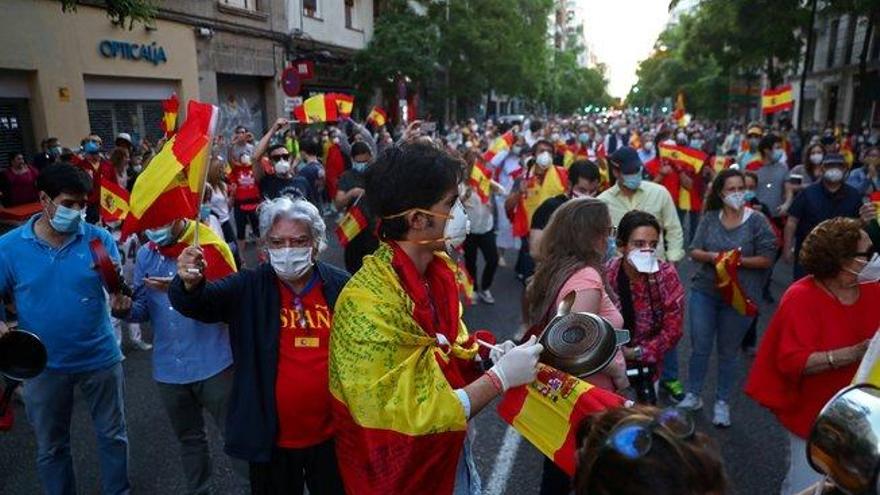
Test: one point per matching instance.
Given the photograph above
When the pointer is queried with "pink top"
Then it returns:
(585, 279)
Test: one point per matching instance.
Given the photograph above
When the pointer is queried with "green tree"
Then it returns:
(120, 11)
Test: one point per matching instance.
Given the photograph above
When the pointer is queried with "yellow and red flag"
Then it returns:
(680, 114)
(555, 183)
(869, 368)
(727, 281)
(318, 108)
(170, 109)
(400, 427)
(777, 99)
(377, 116)
(548, 412)
(720, 163)
(171, 187)
(875, 198)
(465, 282)
(501, 143)
(847, 152)
(481, 180)
(344, 103)
(351, 224)
(684, 156)
(114, 201)
(219, 262)
(568, 157)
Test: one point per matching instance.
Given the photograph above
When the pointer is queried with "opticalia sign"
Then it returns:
(132, 51)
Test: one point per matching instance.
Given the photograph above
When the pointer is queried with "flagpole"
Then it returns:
(206, 164)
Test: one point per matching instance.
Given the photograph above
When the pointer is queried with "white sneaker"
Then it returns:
(691, 402)
(141, 345)
(721, 417)
(486, 296)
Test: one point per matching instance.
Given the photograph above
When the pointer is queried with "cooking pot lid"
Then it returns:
(580, 343)
(22, 355)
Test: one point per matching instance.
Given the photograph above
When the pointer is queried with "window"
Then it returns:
(241, 4)
(311, 8)
(850, 39)
(832, 43)
(350, 14)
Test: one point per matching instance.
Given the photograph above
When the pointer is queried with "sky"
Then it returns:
(622, 33)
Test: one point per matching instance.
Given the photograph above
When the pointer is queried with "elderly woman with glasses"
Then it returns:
(817, 337)
(279, 317)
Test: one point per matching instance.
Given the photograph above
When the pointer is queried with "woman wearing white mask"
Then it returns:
(279, 317)
(726, 226)
(650, 299)
(818, 335)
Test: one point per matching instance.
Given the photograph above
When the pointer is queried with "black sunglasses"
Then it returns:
(275, 158)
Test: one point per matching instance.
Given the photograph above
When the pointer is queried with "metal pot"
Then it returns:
(22, 356)
(580, 344)
(844, 443)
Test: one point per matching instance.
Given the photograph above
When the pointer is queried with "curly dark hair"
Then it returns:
(672, 467)
(829, 245)
(714, 201)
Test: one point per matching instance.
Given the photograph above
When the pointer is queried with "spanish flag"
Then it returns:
(777, 99)
(400, 428)
(481, 180)
(875, 198)
(344, 103)
(683, 156)
(555, 183)
(171, 187)
(318, 108)
(219, 262)
(720, 163)
(869, 368)
(170, 108)
(465, 282)
(727, 282)
(567, 157)
(680, 113)
(548, 411)
(114, 201)
(501, 143)
(847, 152)
(377, 116)
(351, 224)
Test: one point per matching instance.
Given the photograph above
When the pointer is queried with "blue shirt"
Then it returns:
(859, 180)
(816, 204)
(60, 297)
(184, 350)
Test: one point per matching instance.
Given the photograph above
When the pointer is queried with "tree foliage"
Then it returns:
(121, 12)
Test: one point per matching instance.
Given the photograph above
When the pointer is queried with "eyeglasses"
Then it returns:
(276, 158)
(633, 439)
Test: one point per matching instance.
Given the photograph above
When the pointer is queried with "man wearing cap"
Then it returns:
(96, 166)
(750, 159)
(827, 198)
(123, 140)
(632, 193)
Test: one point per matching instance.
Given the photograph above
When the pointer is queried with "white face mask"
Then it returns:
(816, 158)
(457, 227)
(833, 175)
(544, 159)
(649, 146)
(291, 263)
(282, 167)
(644, 260)
(735, 200)
(870, 272)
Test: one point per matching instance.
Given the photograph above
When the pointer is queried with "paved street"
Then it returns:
(753, 448)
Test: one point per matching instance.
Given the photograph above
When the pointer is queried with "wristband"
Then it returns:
(496, 378)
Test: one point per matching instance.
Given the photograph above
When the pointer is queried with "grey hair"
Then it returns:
(271, 210)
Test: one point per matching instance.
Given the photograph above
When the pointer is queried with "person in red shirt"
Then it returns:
(280, 316)
(246, 197)
(817, 337)
(96, 166)
(18, 182)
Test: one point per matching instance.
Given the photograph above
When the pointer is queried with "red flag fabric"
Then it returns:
(481, 181)
(377, 116)
(170, 109)
(727, 282)
(219, 262)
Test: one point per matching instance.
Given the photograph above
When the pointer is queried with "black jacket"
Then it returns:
(250, 303)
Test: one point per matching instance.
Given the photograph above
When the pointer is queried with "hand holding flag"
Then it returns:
(727, 282)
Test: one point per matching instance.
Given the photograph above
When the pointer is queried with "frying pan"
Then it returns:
(22, 356)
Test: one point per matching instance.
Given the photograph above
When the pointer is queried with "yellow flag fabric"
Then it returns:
(553, 185)
(869, 368)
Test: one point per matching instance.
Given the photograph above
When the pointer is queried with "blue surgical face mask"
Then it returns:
(66, 220)
(204, 212)
(91, 147)
(749, 195)
(161, 236)
(611, 250)
(777, 155)
(359, 166)
(584, 137)
(632, 181)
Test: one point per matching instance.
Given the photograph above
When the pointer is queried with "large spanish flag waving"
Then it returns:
(400, 428)
(318, 108)
(727, 282)
(114, 201)
(218, 257)
(547, 412)
(777, 99)
(171, 186)
(555, 183)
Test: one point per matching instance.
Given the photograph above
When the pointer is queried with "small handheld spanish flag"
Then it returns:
(481, 180)
(720, 163)
(777, 99)
(377, 116)
(683, 156)
(114, 201)
(727, 282)
(170, 109)
(344, 103)
(351, 224)
(219, 262)
(501, 143)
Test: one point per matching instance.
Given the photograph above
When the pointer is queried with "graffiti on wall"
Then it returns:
(238, 110)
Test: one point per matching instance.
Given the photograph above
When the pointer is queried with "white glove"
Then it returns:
(519, 366)
(505, 347)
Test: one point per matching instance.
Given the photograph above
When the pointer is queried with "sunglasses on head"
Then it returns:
(276, 158)
(633, 439)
